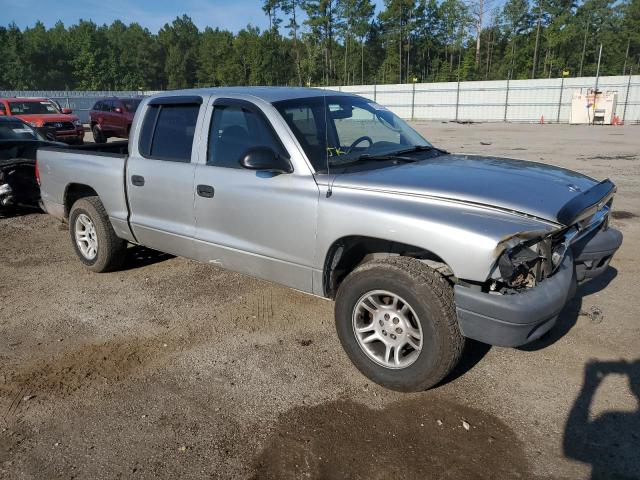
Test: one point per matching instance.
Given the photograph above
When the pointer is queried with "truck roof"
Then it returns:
(268, 94)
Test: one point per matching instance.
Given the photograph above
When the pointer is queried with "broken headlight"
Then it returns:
(526, 260)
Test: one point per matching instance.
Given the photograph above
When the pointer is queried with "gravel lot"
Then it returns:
(174, 369)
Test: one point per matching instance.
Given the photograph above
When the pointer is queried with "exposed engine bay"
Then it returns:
(18, 185)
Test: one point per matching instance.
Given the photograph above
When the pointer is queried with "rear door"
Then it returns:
(255, 222)
(160, 175)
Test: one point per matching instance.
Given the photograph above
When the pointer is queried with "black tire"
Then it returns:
(98, 135)
(110, 249)
(431, 298)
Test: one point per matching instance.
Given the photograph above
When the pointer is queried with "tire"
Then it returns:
(109, 249)
(431, 313)
(98, 135)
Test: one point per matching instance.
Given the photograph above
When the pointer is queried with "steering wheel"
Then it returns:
(358, 141)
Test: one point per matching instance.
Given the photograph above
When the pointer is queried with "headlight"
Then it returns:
(526, 259)
(77, 123)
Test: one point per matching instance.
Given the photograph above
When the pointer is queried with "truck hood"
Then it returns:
(43, 117)
(525, 187)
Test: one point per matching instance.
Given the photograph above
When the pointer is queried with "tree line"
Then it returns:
(333, 42)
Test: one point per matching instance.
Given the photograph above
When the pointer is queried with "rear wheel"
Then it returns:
(93, 237)
(98, 135)
(396, 320)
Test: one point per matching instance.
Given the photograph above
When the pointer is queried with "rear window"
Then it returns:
(167, 132)
(15, 130)
(131, 105)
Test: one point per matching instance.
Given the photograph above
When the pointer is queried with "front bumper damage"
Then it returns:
(519, 318)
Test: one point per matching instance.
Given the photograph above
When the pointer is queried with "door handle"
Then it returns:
(137, 180)
(205, 191)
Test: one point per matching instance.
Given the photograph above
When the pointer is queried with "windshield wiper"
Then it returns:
(384, 156)
(418, 148)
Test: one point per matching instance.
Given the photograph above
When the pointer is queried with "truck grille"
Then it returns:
(59, 126)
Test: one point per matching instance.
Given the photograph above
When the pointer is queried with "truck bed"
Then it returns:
(99, 167)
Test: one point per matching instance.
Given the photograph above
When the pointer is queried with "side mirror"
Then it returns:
(264, 158)
(117, 110)
(67, 111)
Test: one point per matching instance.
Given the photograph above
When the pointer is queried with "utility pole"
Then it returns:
(584, 49)
(626, 56)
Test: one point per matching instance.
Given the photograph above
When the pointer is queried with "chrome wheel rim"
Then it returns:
(387, 329)
(86, 237)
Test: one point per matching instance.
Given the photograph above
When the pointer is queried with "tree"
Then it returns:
(179, 42)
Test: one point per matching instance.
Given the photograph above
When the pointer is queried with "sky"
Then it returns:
(153, 14)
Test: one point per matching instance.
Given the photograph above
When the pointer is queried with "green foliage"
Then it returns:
(331, 42)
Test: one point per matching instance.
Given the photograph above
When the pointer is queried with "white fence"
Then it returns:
(499, 100)
(488, 101)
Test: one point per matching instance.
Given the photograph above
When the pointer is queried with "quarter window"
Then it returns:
(167, 132)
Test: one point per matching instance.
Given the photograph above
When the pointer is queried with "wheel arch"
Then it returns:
(74, 192)
(346, 253)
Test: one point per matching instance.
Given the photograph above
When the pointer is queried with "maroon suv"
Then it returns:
(112, 117)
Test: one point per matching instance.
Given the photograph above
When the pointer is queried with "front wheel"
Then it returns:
(397, 323)
(93, 238)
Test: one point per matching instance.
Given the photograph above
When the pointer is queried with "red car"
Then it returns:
(43, 113)
(112, 117)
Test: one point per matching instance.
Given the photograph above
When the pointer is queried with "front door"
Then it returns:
(255, 222)
(160, 174)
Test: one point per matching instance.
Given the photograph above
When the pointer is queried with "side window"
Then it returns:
(167, 132)
(303, 120)
(234, 130)
(96, 106)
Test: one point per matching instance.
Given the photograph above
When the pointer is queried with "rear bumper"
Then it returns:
(513, 320)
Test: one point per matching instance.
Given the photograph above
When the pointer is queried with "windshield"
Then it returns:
(16, 130)
(33, 108)
(131, 105)
(342, 129)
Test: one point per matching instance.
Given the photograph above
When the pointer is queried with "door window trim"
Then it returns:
(253, 108)
(157, 104)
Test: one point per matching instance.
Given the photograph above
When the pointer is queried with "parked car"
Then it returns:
(334, 195)
(18, 145)
(112, 117)
(45, 114)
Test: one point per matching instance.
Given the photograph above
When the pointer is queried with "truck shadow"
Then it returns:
(138, 256)
(13, 212)
(475, 351)
(610, 441)
(569, 315)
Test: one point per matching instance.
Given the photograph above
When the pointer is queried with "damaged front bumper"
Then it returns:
(519, 318)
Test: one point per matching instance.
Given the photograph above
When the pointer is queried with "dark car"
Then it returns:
(112, 117)
(18, 145)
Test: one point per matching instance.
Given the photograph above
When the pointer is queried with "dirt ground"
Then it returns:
(173, 369)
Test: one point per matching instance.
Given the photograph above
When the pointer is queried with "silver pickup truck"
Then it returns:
(334, 195)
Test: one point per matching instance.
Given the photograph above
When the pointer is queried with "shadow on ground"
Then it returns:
(572, 311)
(138, 256)
(610, 442)
(417, 438)
(11, 212)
